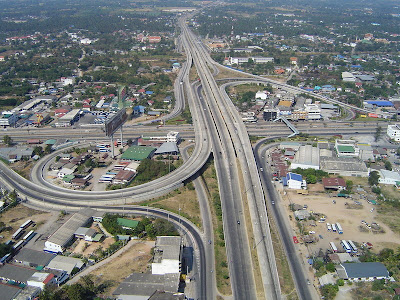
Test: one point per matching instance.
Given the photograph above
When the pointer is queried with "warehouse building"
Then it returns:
(306, 158)
(143, 285)
(344, 166)
(68, 119)
(389, 177)
(167, 255)
(64, 235)
(138, 153)
(366, 271)
(346, 148)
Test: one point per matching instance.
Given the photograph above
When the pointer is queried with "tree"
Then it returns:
(38, 151)
(388, 165)
(373, 178)
(151, 232)
(330, 267)
(7, 140)
(329, 291)
(48, 149)
(378, 133)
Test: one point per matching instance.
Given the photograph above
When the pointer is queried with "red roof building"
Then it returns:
(334, 183)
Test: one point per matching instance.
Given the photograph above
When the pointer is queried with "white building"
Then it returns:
(348, 77)
(67, 81)
(256, 60)
(8, 118)
(40, 280)
(64, 235)
(167, 255)
(389, 177)
(172, 136)
(393, 132)
(313, 111)
(63, 172)
(294, 181)
(261, 95)
(306, 158)
(86, 41)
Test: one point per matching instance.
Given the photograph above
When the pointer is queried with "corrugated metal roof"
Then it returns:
(365, 270)
(137, 152)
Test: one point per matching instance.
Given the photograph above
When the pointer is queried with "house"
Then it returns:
(138, 110)
(389, 177)
(42, 280)
(335, 183)
(86, 234)
(65, 264)
(301, 214)
(64, 171)
(127, 223)
(366, 271)
(124, 176)
(293, 181)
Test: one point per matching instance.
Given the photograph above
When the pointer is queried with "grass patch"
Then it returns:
(184, 198)
(225, 73)
(184, 118)
(253, 249)
(209, 176)
(285, 276)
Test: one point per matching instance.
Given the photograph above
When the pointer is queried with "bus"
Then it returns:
(353, 247)
(18, 233)
(328, 225)
(334, 227)
(103, 145)
(105, 180)
(5, 258)
(119, 167)
(346, 246)
(29, 236)
(339, 228)
(104, 150)
(26, 224)
(111, 173)
(18, 245)
(333, 247)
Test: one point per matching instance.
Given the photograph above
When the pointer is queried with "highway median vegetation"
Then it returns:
(209, 177)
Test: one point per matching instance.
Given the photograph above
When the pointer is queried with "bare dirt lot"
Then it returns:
(16, 216)
(87, 248)
(135, 259)
(350, 220)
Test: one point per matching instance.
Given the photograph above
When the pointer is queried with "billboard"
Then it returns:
(115, 122)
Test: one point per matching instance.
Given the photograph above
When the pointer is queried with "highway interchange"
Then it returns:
(217, 128)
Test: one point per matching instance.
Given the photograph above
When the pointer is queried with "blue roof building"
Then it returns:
(293, 181)
(380, 103)
(138, 109)
(366, 271)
